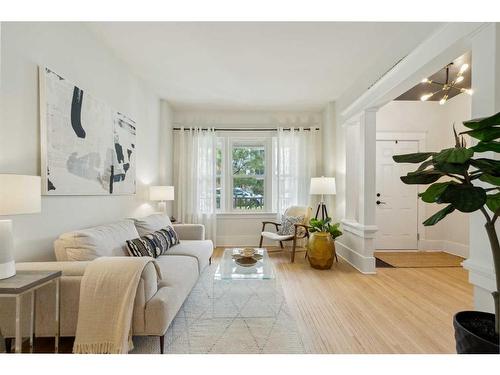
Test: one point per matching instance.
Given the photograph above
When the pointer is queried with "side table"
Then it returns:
(25, 282)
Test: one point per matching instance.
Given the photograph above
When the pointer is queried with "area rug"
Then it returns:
(419, 259)
(222, 320)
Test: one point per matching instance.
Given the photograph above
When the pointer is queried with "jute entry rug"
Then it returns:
(419, 259)
(243, 318)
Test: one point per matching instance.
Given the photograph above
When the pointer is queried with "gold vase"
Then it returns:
(321, 250)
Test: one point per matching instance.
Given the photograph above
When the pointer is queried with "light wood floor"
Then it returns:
(398, 310)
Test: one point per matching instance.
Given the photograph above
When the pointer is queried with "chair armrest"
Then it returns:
(190, 231)
(302, 225)
(264, 223)
(305, 230)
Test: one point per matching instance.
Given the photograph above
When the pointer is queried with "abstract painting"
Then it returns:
(87, 147)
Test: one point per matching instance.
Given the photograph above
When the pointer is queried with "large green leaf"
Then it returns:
(438, 216)
(465, 198)
(489, 166)
(490, 179)
(433, 192)
(484, 134)
(483, 122)
(454, 155)
(424, 165)
(493, 202)
(487, 146)
(413, 158)
(455, 168)
(422, 177)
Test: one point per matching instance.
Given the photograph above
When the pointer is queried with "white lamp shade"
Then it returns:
(322, 186)
(161, 193)
(20, 194)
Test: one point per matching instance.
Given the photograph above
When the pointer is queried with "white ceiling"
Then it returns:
(273, 66)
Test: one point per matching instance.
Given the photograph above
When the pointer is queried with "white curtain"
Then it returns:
(194, 178)
(297, 160)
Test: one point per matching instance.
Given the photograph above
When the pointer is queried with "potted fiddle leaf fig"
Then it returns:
(464, 179)
(321, 244)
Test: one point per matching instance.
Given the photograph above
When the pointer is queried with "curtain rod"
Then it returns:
(248, 129)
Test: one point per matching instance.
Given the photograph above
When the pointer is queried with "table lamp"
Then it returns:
(322, 186)
(162, 194)
(18, 195)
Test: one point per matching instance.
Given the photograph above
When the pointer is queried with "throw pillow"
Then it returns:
(153, 244)
(287, 227)
(170, 237)
(141, 247)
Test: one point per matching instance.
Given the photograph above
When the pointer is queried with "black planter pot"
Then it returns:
(475, 333)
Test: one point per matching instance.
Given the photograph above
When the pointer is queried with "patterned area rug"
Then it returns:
(238, 317)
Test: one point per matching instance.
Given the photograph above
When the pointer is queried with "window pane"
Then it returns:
(248, 166)
(248, 160)
(248, 193)
(218, 192)
(218, 160)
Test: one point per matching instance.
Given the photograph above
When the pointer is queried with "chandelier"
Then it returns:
(446, 87)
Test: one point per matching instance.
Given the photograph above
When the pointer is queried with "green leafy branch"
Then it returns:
(316, 225)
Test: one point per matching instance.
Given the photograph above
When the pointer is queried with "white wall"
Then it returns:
(451, 234)
(71, 50)
(235, 229)
(166, 147)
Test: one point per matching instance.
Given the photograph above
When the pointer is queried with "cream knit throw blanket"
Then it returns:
(107, 295)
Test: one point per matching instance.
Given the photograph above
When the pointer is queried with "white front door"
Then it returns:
(396, 202)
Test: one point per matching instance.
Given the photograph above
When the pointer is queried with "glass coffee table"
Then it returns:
(244, 287)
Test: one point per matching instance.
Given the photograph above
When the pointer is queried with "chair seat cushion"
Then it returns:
(276, 237)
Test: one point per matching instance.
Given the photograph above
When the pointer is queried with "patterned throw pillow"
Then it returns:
(170, 236)
(153, 244)
(287, 227)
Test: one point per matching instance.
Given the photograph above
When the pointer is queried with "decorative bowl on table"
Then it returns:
(245, 261)
(246, 257)
(247, 252)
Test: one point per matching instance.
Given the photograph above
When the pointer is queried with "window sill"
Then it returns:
(246, 215)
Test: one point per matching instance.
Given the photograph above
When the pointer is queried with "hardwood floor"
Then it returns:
(398, 310)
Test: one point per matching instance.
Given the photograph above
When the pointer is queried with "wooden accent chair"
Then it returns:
(300, 230)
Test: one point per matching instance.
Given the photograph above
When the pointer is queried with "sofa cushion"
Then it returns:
(201, 250)
(144, 246)
(91, 243)
(152, 223)
(153, 244)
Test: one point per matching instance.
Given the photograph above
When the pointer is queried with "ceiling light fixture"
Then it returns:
(463, 68)
(426, 97)
(447, 86)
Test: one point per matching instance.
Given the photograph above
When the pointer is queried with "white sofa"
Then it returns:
(157, 301)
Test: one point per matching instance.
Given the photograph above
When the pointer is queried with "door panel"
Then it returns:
(397, 210)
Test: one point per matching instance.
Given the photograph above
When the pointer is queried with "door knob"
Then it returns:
(379, 202)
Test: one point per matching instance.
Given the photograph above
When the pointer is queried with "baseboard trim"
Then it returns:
(449, 247)
(239, 241)
(365, 265)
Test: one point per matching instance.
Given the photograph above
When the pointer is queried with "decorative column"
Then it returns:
(358, 242)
